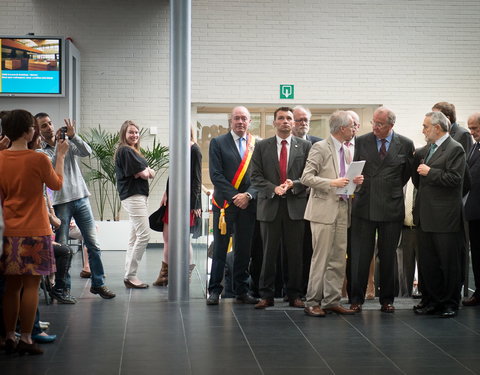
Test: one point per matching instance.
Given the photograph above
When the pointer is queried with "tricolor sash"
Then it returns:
(236, 181)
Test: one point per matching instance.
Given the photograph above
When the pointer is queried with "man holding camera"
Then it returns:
(72, 201)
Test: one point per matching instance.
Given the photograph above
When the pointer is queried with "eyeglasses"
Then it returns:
(300, 120)
(377, 124)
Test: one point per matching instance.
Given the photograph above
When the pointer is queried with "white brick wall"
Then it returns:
(406, 54)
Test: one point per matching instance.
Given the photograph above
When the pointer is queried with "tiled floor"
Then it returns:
(140, 332)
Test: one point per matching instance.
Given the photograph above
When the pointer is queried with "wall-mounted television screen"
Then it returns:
(31, 66)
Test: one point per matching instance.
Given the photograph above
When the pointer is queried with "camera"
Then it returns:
(63, 132)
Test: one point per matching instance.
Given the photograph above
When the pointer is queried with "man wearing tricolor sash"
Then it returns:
(233, 204)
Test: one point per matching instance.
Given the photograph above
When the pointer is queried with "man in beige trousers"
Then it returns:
(329, 216)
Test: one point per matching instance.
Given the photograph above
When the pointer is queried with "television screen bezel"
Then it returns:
(62, 69)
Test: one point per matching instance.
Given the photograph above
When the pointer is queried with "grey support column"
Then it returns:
(179, 191)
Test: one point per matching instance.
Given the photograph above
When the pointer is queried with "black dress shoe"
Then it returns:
(472, 301)
(426, 310)
(213, 298)
(246, 298)
(448, 312)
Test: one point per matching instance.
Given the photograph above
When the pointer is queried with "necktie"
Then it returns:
(348, 154)
(383, 149)
(283, 162)
(342, 162)
(342, 168)
(241, 149)
(433, 146)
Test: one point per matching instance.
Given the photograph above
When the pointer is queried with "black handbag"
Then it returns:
(156, 219)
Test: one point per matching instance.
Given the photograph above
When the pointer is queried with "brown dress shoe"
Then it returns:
(264, 303)
(315, 311)
(387, 308)
(339, 309)
(356, 307)
(472, 301)
(297, 302)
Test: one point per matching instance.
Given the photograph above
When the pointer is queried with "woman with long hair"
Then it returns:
(195, 209)
(132, 173)
(27, 248)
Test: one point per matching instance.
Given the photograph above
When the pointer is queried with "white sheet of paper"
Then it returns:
(354, 170)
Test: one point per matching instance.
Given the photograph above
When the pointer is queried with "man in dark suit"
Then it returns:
(378, 207)
(458, 133)
(438, 217)
(233, 205)
(472, 207)
(278, 164)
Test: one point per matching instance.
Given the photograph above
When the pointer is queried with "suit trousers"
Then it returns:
(406, 254)
(288, 233)
(327, 270)
(137, 208)
(439, 263)
(474, 230)
(240, 223)
(363, 245)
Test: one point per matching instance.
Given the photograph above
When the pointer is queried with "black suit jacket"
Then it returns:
(472, 205)
(266, 176)
(438, 205)
(380, 197)
(224, 160)
(462, 136)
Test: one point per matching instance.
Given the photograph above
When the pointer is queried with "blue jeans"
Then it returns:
(81, 211)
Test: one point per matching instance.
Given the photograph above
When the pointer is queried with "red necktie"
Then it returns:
(283, 162)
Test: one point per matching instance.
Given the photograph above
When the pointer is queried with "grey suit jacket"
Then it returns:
(462, 136)
(321, 168)
(438, 205)
(266, 176)
(380, 197)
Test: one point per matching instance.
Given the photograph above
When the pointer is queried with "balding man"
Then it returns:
(472, 206)
(378, 207)
(234, 205)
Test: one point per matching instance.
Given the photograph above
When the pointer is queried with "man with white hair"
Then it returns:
(440, 167)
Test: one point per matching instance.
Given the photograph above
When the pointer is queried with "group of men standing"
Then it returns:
(291, 184)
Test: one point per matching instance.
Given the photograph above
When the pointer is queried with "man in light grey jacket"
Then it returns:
(72, 201)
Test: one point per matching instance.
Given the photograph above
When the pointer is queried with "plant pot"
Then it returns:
(113, 235)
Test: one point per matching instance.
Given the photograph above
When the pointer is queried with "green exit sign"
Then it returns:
(287, 91)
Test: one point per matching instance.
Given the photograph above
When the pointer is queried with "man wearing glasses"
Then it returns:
(378, 208)
(302, 116)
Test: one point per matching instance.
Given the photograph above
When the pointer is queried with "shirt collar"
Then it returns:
(442, 139)
(288, 139)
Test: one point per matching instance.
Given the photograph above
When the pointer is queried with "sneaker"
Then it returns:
(62, 296)
(102, 291)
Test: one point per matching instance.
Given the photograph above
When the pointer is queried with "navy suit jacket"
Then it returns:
(224, 161)
(472, 205)
(312, 139)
